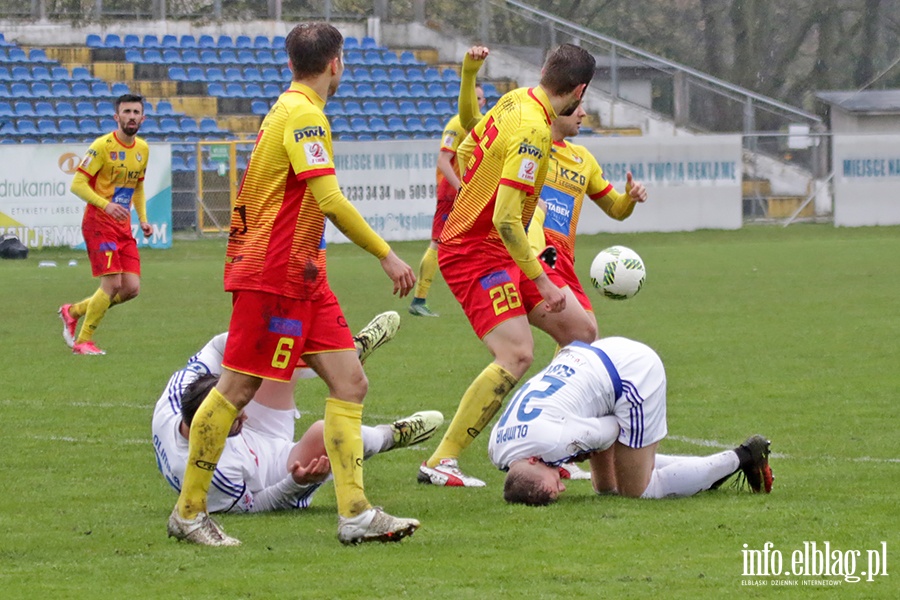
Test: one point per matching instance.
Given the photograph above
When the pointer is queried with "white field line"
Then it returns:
(722, 446)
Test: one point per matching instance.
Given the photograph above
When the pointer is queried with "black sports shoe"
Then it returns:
(753, 455)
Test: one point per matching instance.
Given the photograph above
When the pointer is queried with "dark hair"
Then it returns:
(129, 98)
(311, 46)
(194, 395)
(519, 488)
(566, 68)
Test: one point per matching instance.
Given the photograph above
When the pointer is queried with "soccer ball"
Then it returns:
(618, 272)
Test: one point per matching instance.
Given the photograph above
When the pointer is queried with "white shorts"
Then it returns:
(641, 409)
(269, 433)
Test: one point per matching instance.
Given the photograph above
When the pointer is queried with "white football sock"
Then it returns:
(689, 475)
(376, 439)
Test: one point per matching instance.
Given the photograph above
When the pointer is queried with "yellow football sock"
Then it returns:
(427, 270)
(476, 409)
(97, 306)
(79, 309)
(343, 442)
(209, 430)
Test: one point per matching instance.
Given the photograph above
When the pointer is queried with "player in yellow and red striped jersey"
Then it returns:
(573, 174)
(110, 179)
(283, 307)
(484, 253)
(447, 186)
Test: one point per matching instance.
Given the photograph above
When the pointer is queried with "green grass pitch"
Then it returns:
(792, 333)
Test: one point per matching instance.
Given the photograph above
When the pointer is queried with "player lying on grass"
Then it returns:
(262, 468)
(607, 400)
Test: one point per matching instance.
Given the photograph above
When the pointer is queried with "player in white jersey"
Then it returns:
(262, 468)
(591, 397)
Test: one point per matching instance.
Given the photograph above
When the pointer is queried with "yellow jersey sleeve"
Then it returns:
(469, 111)
(616, 205)
(307, 140)
(524, 153)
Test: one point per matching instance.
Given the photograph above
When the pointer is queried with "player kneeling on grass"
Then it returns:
(607, 400)
(262, 468)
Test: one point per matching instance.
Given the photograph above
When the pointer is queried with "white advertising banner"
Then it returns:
(37, 206)
(866, 180)
(693, 183)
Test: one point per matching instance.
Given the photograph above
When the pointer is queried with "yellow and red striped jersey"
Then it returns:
(509, 146)
(114, 171)
(276, 243)
(574, 173)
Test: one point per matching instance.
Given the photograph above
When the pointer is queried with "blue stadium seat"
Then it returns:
(134, 56)
(334, 108)
(280, 57)
(389, 107)
(450, 75)
(152, 56)
(21, 74)
(60, 74)
(169, 41)
(444, 108)
(234, 74)
(215, 74)
(432, 75)
(352, 108)
(43, 73)
(351, 43)
(246, 57)
(382, 90)
(364, 137)
(286, 74)
(390, 58)
(402, 136)
(272, 90)
(252, 74)
(206, 41)
(422, 136)
(177, 74)
(150, 126)
(433, 125)
(112, 41)
(105, 108)
(65, 109)
(209, 125)
(151, 41)
(278, 42)
(17, 55)
(5, 75)
(415, 74)
(362, 75)
(265, 57)
(359, 123)
(243, 41)
(407, 107)
(228, 57)
(372, 57)
(68, 127)
(353, 58)
(44, 109)
(88, 126)
(377, 125)
(119, 88)
(367, 43)
(196, 74)
(414, 125)
(131, 41)
(262, 41)
(408, 58)
(209, 56)
(271, 74)
(4, 91)
(85, 109)
(81, 74)
(365, 90)
(434, 90)
(81, 89)
(164, 107)
(101, 89)
(234, 90)
(379, 75)
(225, 42)
(93, 41)
(40, 89)
(191, 56)
(346, 90)
(106, 124)
(396, 123)
(259, 107)
(216, 89)
(26, 127)
(417, 90)
(20, 90)
(425, 108)
(371, 107)
(179, 165)
(400, 90)
(168, 125)
(187, 41)
(253, 90)
(171, 56)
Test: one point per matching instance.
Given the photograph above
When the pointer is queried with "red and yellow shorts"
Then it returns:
(488, 284)
(269, 333)
(110, 246)
(565, 268)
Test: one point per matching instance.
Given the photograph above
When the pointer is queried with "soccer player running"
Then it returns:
(283, 307)
(484, 253)
(447, 186)
(110, 179)
(610, 393)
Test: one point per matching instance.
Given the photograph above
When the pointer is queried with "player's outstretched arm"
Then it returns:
(469, 111)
